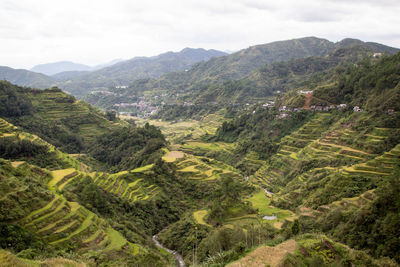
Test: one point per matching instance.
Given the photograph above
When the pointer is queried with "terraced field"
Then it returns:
(194, 147)
(172, 156)
(53, 106)
(205, 169)
(68, 224)
(290, 147)
(199, 217)
(191, 129)
(266, 255)
(61, 223)
(7, 129)
(131, 186)
(382, 165)
(334, 148)
(373, 170)
(7, 259)
(260, 201)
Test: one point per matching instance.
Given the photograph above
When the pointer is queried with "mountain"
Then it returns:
(61, 66)
(68, 69)
(215, 81)
(68, 75)
(240, 64)
(369, 45)
(125, 72)
(26, 78)
(107, 64)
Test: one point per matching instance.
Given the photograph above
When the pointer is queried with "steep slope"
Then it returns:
(339, 171)
(43, 212)
(26, 78)
(124, 73)
(53, 115)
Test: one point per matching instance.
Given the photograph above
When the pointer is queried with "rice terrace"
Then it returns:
(151, 153)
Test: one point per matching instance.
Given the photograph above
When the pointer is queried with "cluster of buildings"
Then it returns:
(102, 92)
(284, 109)
(144, 109)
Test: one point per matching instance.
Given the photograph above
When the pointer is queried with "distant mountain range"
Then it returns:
(80, 79)
(126, 72)
(54, 68)
(252, 72)
(189, 68)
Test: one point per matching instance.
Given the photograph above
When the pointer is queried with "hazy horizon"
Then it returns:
(96, 32)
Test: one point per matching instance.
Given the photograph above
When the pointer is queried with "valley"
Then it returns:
(287, 162)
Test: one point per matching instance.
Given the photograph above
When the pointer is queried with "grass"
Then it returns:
(117, 241)
(261, 202)
(144, 168)
(172, 156)
(58, 175)
(199, 217)
(266, 255)
(15, 164)
(7, 259)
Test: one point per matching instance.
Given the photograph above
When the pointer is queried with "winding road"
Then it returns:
(178, 258)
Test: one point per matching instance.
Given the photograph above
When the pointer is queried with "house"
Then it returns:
(326, 108)
(283, 108)
(332, 107)
(357, 109)
(390, 111)
(377, 54)
(305, 92)
(342, 106)
(283, 115)
(318, 108)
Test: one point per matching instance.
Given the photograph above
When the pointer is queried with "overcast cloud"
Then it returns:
(96, 31)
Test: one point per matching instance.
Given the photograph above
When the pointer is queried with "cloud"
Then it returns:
(92, 32)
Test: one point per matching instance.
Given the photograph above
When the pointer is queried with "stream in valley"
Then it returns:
(178, 258)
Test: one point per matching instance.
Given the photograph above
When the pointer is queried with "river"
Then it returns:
(178, 258)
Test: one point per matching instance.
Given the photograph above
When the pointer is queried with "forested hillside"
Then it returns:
(239, 78)
(126, 72)
(25, 77)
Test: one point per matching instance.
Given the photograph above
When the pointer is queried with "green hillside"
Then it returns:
(26, 78)
(250, 75)
(53, 115)
(64, 210)
(126, 72)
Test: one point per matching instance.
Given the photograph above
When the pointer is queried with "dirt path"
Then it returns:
(308, 101)
(266, 255)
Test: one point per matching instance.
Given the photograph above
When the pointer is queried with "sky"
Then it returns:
(97, 31)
